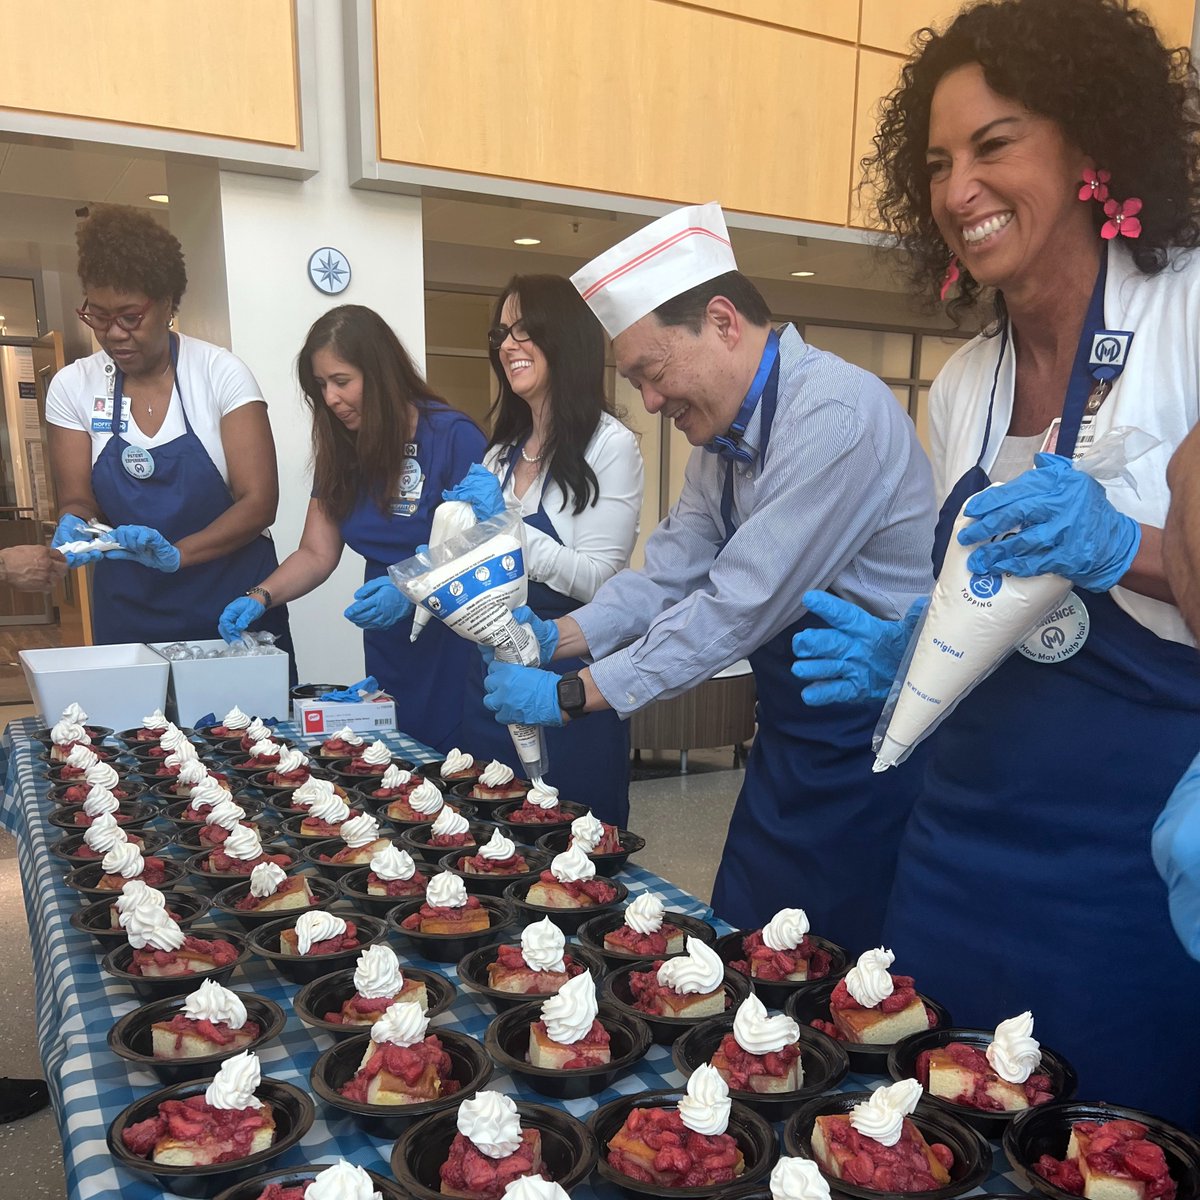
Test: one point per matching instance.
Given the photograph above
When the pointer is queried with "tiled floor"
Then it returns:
(682, 817)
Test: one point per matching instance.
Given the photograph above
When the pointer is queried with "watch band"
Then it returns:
(261, 594)
(571, 695)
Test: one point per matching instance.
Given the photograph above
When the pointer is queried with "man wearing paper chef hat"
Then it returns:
(806, 474)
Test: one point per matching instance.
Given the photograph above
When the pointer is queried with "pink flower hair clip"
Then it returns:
(1122, 219)
(1095, 185)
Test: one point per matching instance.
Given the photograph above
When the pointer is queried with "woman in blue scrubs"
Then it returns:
(384, 448)
(1047, 150)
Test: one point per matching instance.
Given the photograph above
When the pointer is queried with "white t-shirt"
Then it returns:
(1158, 392)
(212, 381)
(597, 542)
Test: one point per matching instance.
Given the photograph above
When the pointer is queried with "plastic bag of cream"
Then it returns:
(449, 518)
(974, 622)
(471, 582)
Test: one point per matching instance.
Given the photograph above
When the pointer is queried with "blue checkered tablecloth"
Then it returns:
(77, 1005)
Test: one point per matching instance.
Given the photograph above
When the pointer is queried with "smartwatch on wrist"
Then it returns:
(571, 695)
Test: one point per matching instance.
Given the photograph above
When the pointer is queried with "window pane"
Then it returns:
(921, 417)
(934, 353)
(902, 394)
(878, 351)
(18, 308)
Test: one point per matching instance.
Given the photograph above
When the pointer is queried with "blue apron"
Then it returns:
(589, 757)
(1025, 879)
(184, 493)
(813, 827)
(422, 676)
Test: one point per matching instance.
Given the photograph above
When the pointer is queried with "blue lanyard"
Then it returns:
(765, 387)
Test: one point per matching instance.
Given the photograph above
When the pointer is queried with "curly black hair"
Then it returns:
(1097, 68)
(127, 249)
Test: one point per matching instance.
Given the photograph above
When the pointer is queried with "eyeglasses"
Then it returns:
(500, 333)
(128, 321)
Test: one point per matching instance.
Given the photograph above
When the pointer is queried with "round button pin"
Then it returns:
(137, 462)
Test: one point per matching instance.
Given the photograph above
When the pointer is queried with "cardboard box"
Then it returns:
(319, 718)
(257, 684)
(115, 685)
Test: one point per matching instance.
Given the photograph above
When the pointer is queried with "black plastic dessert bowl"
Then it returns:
(302, 968)
(139, 735)
(200, 876)
(290, 827)
(823, 1060)
(156, 752)
(363, 781)
(567, 919)
(96, 919)
(450, 947)
(568, 1149)
(529, 831)
(415, 839)
(131, 1037)
(226, 901)
(117, 963)
(126, 768)
(866, 1058)
(666, 1029)
(125, 789)
(493, 885)
(774, 993)
(176, 807)
(293, 1112)
(96, 733)
(972, 1154)
(130, 815)
(1047, 1130)
(187, 837)
(253, 1188)
(471, 1069)
(69, 847)
(754, 1136)
(379, 805)
(557, 840)
(84, 879)
(277, 795)
(902, 1064)
(353, 886)
(591, 935)
(326, 994)
(473, 971)
(319, 855)
(507, 1041)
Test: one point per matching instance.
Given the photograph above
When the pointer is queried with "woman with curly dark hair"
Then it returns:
(1042, 156)
(165, 437)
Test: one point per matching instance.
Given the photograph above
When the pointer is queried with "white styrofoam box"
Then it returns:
(316, 718)
(115, 685)
(256, 683)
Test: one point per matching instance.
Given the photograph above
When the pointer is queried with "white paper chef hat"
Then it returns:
(685, 248)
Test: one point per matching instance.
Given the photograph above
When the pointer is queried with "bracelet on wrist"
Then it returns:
(261, 595)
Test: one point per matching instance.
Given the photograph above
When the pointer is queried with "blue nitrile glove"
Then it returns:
(481, 490)
(354, 693)
(1175, 845)
(857, 657)
(1066, 526)
(522, 695)
(140, 544)
(378, 604)
(546, 633)
(75, 529)
(238, 616)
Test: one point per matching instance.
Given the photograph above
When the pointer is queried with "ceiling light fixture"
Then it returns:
(527, 241)
(803, 274)
(160, 198)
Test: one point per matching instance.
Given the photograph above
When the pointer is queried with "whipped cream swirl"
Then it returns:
(81, 757)
(104, 833)
(377, 754)
(234, 1085)
(496, 774)
(498, 847)
(243, 843)
(786, 929)
(192, 774)
(426, 799)
(542, 946)
(706, 1107)
(569, 1014)
(645, 914)
(235, 719)
(347, 735)
(868, 980)
(393, 863)
(136, 892)
(330, 807)
(155, 721)
(64, 732)
(147, 925)
(699, 970)
(210, 792)
(377, 973)
(586, 832)
(396, 777)
(542, 795)
(490, 1122)
(798, 1179)
(534, 1187)
(315, 926)
(101, 774)
(359, 831)
(403, 1024)
(882, 1116)
(265, 749)
(185, 752)
(265, 879)
(1015, 1053)
(225, 814)
(446, 890)
(448, 822)
(290, 759)
(172, 737)
(456, 762)
(572, 866)
(74, 714)
(123, 859)
(342, 1181)
(100, 801)
(212, 1002)
(758, 1033)
(257, 730)
(312, 791)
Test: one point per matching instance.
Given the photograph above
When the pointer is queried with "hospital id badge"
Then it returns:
(102, 412)
(409, 488)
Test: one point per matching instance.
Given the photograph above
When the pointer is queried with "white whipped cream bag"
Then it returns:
(471, 582)
(974, 622)
(451, 517)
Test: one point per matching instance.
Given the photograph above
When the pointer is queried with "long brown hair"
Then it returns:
(348, 465)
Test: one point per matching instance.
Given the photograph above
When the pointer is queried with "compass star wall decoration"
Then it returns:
(329, 270)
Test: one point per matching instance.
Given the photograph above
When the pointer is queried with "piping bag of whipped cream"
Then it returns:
(974, 622)
(471, 582)
(449, 518)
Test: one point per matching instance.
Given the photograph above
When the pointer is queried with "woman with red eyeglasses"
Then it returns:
(164, 437)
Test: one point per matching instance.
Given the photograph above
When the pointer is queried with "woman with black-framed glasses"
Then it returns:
(165, 437)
